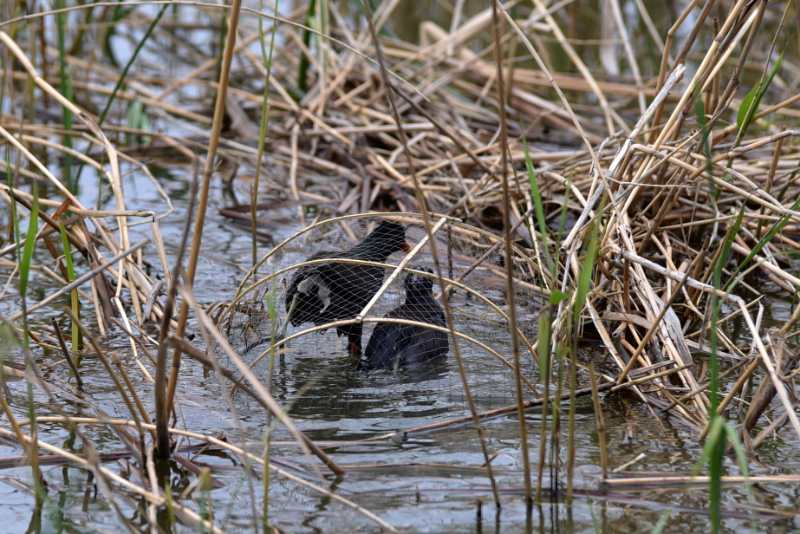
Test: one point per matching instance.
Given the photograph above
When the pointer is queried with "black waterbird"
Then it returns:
(394, 345)
(327, 292)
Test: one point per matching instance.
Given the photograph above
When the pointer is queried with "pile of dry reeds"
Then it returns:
(653, 215)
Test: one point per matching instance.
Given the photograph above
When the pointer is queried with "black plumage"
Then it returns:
(333, 291)
(394, 345)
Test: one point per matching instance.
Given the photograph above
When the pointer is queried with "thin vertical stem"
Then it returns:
(509, 258)
(600, 422)
(165, 408)
(263, 127)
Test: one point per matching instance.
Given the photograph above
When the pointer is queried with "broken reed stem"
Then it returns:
(197, 235)
(160, 389)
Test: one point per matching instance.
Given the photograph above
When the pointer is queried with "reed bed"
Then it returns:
(647, 211)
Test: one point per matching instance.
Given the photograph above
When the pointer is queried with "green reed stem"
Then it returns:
(65, 88)
(763, 242)
(302, 71)
(129, 64)
(263, 126)
(538, 210)
(75, 331)
(543, 348)
(121, 81)
(24, 278)
(714, 450)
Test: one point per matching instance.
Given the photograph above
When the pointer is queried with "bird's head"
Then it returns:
(417, 284)
(387, 238)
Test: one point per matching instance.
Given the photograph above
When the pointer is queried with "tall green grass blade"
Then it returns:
(536, 196)
(538, 210)
(714, 448)
(142, 124)
(543, 348)
(763, 242)
(75, 330)
(543, 341)
(24, 278)
(716, 458)
(65, 88)
(705, 133)
(302, 71)
(27, 255)
(586, 270)
(752, 99)
(716, 280)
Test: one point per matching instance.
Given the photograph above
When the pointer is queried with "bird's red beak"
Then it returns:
(406, 247)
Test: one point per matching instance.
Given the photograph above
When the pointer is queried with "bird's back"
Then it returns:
(331, 291)
(403, 345)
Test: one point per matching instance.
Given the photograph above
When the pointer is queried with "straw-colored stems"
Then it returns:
(600, 423)
(197, 236)
(80, 280)
(104, 472)
(509, 259)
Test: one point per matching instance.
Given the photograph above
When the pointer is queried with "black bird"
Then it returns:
(333, 291)
(394, 345)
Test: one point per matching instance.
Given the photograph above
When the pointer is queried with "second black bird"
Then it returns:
(394, 345)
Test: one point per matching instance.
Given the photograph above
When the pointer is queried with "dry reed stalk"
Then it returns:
(165, 408)
(509, 259)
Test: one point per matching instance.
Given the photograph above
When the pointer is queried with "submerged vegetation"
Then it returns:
(602, 197)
